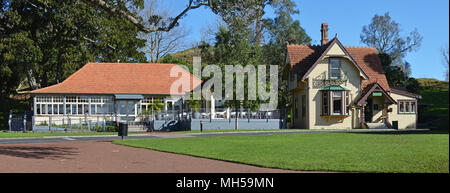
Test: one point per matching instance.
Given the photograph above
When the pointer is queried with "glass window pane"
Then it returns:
(80, 109)
(337, 102)
(93, 111)
(401, 107)
(407, 107)
(49, 109)
(123, 107)
(38, 109)
(61, 109)
(86, 108)
(413, 107)
(131, 109)
(74, 109)
(68, 109)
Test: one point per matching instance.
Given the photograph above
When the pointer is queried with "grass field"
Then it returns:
(235, 130)
(48, 134)
(418, 152)
(438, 109)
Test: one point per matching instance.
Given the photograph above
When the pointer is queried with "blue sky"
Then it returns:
(347, 17)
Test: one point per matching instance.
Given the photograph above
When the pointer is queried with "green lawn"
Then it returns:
(351, 152)
(438, 109)
(47, 134)
(235, 130)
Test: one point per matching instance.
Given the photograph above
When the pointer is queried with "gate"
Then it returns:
(20, 122)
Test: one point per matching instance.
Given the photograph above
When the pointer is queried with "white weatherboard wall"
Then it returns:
(315, 98)
(407, 120)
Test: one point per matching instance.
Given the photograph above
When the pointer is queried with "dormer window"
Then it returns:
(335, 68)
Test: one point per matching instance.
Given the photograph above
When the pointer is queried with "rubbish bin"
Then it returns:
(123, 129)
(395, 124)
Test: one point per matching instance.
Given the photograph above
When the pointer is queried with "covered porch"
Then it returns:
(374, 107)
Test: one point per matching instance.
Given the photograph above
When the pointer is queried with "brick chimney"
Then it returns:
(324, 31)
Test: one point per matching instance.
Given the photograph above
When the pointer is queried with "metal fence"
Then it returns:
(166, 120)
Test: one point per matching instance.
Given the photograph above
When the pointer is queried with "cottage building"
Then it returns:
(340, 87)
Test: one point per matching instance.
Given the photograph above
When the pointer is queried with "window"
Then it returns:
(407, 107)
(335, 68)
(335, 102)
(325, 109)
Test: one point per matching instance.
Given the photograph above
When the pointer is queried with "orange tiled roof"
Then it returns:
(121, 78)
(302, 57)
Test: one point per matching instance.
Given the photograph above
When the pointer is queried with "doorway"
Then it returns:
(368, 111)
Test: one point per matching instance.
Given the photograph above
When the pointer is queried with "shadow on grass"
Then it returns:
(400, 132)
(38, 152)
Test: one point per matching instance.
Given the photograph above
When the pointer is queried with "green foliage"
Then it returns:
(44, 42)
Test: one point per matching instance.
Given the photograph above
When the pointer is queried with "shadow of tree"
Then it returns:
(38, 152)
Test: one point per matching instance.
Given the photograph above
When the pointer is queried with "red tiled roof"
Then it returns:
(122, 78)
(302, 57)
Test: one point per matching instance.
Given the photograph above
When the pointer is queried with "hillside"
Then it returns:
(434, 103)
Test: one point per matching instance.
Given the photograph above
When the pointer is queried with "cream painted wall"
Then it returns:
(353, 84)
(335, 50)
(404, 120)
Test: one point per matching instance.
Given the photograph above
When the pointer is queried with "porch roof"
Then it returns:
(374, 87)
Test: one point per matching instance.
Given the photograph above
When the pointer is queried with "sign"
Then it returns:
(376, 94)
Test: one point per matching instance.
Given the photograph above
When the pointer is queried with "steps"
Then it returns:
(376, 126)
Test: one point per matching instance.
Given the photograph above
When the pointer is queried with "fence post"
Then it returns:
(81, 124)
(50, 123)
(90, 125)
(248, 114)
(24, 122)
(10, 120)
(104, 123)
(69, 122)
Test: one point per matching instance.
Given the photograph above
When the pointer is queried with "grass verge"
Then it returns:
(405, 152)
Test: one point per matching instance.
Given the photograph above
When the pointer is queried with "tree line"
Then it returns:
(42, 42)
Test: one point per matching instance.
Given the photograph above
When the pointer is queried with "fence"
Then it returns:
(169, 120)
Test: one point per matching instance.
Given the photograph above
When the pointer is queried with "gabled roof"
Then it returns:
(369, 89)
(303, 58)
(122, 78)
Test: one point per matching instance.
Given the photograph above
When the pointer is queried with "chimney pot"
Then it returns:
(324, 31)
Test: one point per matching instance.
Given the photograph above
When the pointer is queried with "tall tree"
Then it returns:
(283, 29)
(383, 33)
(161, 43)
(61, 36)
(444, 52)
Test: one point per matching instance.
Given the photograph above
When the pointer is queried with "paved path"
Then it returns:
(105, 157)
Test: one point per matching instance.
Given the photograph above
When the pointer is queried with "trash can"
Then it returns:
(123, 129)
(395, 124)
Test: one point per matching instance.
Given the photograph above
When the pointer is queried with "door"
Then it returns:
(127, 110)
(368, 111)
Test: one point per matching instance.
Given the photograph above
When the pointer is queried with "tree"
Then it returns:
(444, 51)
(56, 38)
(383, 33)
(161, 43)
(283, 29)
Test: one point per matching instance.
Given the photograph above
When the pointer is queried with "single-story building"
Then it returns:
(119, 90)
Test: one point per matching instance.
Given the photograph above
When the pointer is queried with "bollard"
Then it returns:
(201, 126)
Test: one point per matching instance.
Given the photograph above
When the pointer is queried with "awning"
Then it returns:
(128, 96)
(334, 87)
